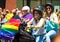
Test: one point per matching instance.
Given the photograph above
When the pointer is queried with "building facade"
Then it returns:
(8, 4)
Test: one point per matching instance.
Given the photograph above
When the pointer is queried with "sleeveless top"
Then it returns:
(38, 31)
(50, 25)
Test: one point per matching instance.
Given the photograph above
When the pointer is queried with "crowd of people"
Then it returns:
(42, 22)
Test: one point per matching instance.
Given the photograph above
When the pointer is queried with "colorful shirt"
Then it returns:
(28, 16)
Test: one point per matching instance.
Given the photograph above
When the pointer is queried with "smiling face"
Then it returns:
(48, 9)
(24, 12)
(36, 15)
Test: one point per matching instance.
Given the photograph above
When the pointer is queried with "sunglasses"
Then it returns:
(48, 8)
(36, 13)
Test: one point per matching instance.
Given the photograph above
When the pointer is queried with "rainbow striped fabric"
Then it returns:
(9, 16)
(10, 28)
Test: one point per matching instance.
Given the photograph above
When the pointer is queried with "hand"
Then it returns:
(32, 26)
(22, 19)
(28, 26)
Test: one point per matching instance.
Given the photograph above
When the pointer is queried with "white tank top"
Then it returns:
(38, 31)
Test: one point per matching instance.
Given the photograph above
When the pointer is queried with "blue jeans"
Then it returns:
(39, 38)
(50, 34)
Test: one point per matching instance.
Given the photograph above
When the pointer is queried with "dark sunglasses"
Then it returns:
(36, 13)
(48, 8)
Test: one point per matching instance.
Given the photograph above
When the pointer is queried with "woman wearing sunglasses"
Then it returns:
(51, 22)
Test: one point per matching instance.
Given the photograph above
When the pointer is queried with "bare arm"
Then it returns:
(30, 22)
(40, 24)
(55, 19)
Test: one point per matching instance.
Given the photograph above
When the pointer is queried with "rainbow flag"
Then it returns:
(10, 28)
(9, 16)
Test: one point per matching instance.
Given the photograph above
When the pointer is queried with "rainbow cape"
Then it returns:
(9, 29)
(9, 16)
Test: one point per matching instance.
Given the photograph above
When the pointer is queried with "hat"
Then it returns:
(51, 5)
(26, 8)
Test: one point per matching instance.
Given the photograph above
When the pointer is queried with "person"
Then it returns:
(51, 22)
(37, 23)
(59, 19)
(16, 14)
(1, 16)
(26, 15)
(7, 17)
(5, 12)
